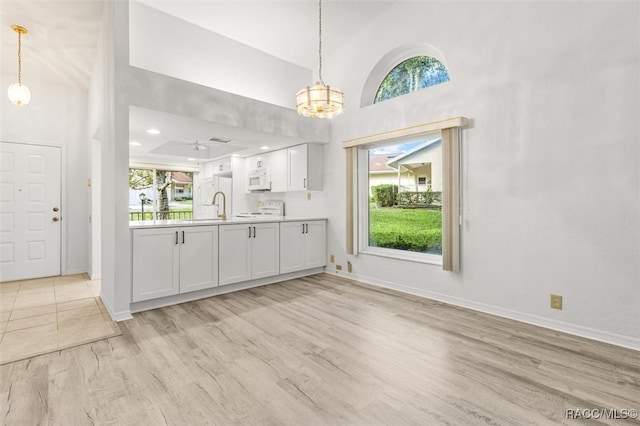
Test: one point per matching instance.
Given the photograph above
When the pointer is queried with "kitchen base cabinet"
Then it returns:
(303, 245)
(249, 252)
(169, 261)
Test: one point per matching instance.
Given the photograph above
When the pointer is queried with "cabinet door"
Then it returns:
(156, 263)
(292, 244)
(234, 253)
(297, 167)
(278, 170)
(222, 166)
(315, 244)
(198, 258)
(256, 162)
(265, 250)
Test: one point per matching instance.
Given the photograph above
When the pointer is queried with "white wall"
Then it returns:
(552, 91)
(191, 53)
(57, 116)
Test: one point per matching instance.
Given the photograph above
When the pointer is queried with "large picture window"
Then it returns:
(400, 194)
(366, 231)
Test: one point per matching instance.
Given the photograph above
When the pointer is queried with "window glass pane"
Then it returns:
(160, 194)
(413, 74)
(405, 188)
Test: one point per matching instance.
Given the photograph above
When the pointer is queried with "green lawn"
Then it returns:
(417, 230)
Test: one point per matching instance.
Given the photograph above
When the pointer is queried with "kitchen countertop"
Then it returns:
(142, 224)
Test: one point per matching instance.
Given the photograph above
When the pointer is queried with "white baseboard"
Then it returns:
(75, 272)
(116, 316)
(577, 330)
(215, 291)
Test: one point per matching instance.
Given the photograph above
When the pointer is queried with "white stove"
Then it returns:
(268, 208)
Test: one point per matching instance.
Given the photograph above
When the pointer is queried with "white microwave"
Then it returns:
(258, 180)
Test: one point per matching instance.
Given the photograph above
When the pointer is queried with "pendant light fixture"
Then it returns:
(320, 101)
(19, 93)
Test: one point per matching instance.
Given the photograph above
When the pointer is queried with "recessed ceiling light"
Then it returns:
(264, 147)
(153, 131)
(191, 159)
(134, 143)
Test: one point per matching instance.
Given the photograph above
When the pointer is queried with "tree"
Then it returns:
(410, 75)
(143, 179)
(140, 179)
(163, 180)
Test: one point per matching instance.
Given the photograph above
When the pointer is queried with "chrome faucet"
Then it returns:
(222, 216)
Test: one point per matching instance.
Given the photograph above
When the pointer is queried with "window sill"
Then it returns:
(408, 256)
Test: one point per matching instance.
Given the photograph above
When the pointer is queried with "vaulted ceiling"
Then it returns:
(63, 34)
(61, 48)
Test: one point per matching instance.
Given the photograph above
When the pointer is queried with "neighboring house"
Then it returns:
(419, 169)
(379, 172)
(181, 184)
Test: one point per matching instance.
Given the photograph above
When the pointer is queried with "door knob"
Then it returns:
(55, 218)
(55, 209)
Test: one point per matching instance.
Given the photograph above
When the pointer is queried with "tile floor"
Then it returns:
(48, 314)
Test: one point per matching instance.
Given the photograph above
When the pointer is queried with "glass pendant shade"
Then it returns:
(19, 94)
(320, 101)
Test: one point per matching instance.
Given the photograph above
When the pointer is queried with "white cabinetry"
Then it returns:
(303, 245)
(278, 170)
(217, 168)
(249, 251)
(169, 261)
(222, 167)
(257, 162)
(304, 167)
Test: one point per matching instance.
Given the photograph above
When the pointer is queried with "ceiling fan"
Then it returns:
(198, 146)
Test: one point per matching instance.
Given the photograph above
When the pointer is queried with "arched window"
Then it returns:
(410, 75)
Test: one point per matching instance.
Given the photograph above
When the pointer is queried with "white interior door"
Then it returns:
(30, 211)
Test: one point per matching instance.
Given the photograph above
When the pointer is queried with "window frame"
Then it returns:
(451, 130)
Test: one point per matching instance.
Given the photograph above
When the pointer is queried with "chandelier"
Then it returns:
(321, 100)
(19, 93)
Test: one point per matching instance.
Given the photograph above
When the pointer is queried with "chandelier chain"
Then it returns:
(19, 57)
(320, 40)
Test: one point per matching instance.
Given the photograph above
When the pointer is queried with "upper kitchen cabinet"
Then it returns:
(304, 167)
(257, 162)
(222, 167)
(278, 170)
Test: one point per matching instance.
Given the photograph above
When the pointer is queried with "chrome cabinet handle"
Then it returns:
(303, 228)
(176, 237)
(305, 182)
(182, 237)
(249, 232)
(254, 232)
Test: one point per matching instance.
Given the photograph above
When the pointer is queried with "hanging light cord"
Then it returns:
(320, 42)
(19, 57)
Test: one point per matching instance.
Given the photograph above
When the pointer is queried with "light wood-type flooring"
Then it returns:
(322, 350)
